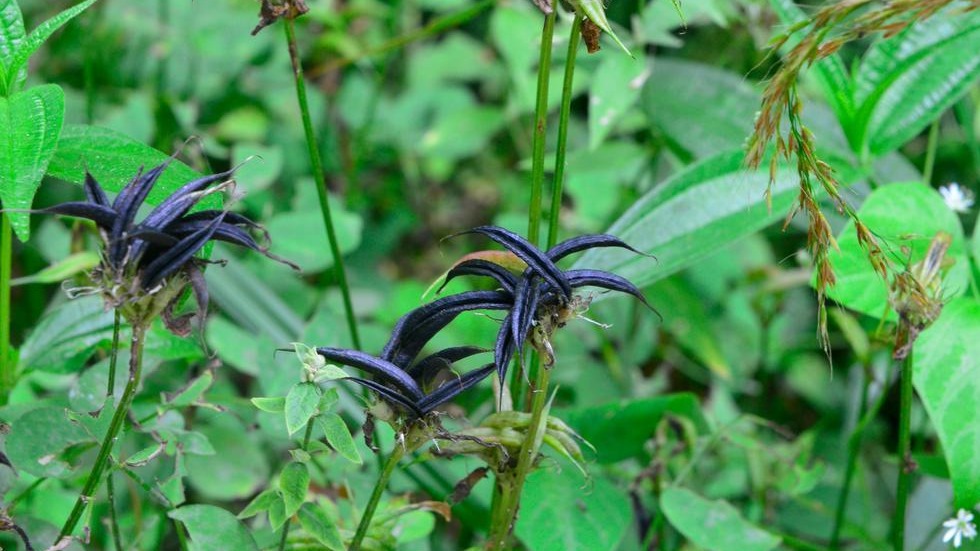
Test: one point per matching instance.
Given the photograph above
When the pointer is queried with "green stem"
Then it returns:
(321, 184)
(115, 425)
(563, 118)
(379, 488)
(114, 353)
(540, 127)
(537, 169)
(113, 519)
(7, 366)
(510, 496)
(904, 453)
(931, 147)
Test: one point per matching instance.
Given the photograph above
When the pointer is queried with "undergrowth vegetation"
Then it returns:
(451, 274)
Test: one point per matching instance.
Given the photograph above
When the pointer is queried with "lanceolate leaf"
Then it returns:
(691, 215)
(916, 90)
(26, 48)
(12, 33)
(30, 123)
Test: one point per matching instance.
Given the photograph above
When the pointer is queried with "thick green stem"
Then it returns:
(321, 184)
(111, 385)
(540, 127)
(537, 167)
(372, 504)
(563, 118)
(7, 365)
(115, 425)
(904, 453)
(510, 496)
(931, 147)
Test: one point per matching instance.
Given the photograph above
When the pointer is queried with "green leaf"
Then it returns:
(691, 215)
(293, 483)
(947, 379)
(619, 430)
(30, 122)
(274, 404)
(26, 48)
(212, 529)
(277, 513)
(713, 525)
(299, 236)
(614, 89)
(301, 404)
(901, 215)
(320, 526)
(909, 80)
(595, 10)
(191, 393)
(63, 269)
(66, 335)
(113, 159)
(38, 438)
(238, 467)
(243, 350)
(12, 34)
(713, 117)
(259, 503)
(337, 433)
(144, 456)
(557, 513)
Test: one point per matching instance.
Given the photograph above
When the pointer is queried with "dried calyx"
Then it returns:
(147, 265)
(538, 301)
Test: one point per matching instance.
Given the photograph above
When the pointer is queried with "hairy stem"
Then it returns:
(321, 184)
(372, 504)
(904, 454)
(510, 489)
(115, 425)
(7, 366)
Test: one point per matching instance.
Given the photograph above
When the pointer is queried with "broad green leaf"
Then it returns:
(38, 438)
(614, 89)
(688, 321)
(26, 48)
(300, 237)
(301, 405)
(558, 513)
(212, 529)
(907, 96)
(62, 270)
(903, 217)
(275, 404)
(337, 433)
(293, 483)
(238, 467)
(711, 117)
(113, 159)
(947, 379)
(192, 392)
(66, 335)
(691, 215)
(713, 525)
(619, 430)
(243, 350)
(259, 503)
(12, 33)
(317, 524)
(277, 513)
(461, 133)
(30, 123)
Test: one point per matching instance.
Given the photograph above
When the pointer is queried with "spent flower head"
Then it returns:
(959, 527)
(146, 265)
(958, 198)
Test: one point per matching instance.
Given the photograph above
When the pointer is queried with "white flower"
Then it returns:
(957, 197)
(960, 527)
